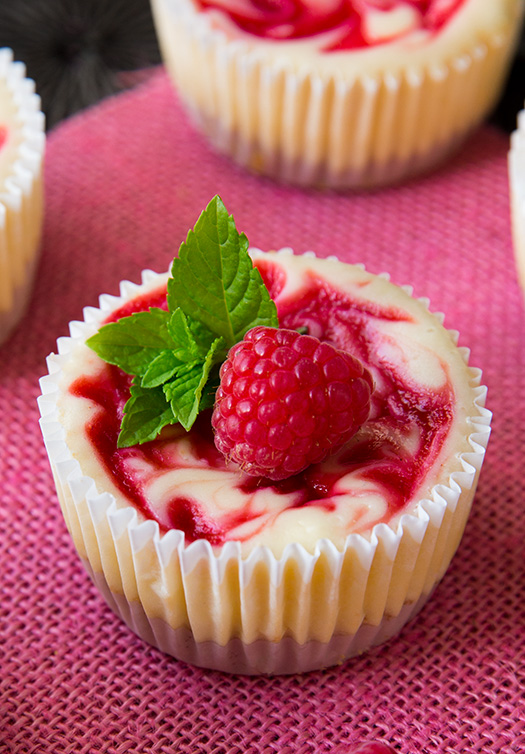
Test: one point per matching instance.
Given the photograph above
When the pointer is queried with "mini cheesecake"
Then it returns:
(189, 548)
(345, 93)
(22, 143)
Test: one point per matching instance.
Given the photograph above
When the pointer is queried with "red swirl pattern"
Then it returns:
(281, 20)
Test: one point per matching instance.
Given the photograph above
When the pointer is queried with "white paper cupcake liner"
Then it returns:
(327, 128)
(517, 194)
(257, 613)
(21, 193)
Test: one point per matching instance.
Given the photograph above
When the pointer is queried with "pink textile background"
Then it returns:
(124, 183)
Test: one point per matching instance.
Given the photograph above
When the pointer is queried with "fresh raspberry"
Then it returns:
(287, 400)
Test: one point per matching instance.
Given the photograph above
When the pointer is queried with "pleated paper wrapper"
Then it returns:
(21, 190)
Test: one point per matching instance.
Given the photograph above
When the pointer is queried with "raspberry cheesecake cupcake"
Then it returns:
(517, 194)
(265, 461)
(344, 93)
(22, 142)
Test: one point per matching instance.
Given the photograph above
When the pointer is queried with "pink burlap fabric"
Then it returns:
(124, 183)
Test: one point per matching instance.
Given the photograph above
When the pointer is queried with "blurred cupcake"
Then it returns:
(285, 572)
(517, 194)
(22, 143)
(340, 94)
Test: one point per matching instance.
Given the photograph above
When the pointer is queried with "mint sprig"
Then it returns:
(215, 295)
(214, 281)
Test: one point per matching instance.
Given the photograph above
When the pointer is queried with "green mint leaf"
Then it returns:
(193, 341)
(214, 281)
(146, 412)
(133, 342)
(208, 393)
(161, 369)
(185, 349)
(184, 393)
(215, 295)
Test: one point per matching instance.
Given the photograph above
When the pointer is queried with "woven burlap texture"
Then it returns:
(124, 183)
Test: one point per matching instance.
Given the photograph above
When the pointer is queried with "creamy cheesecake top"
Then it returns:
(344, 24)
(412, 440)
(382, 35)
(10, 132)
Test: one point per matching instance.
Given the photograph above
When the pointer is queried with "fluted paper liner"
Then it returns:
(21, 195)
(258, 613)
(328, 128)
(517, 194)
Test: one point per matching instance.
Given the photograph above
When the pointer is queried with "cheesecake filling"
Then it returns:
(346, 24)
(181, 481)
(10, 132)
(6, 154)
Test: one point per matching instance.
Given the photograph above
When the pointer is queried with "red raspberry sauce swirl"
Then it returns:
(280, 20)
(399, 410)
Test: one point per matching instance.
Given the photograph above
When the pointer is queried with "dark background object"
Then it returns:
(513, 98)
(79, 51)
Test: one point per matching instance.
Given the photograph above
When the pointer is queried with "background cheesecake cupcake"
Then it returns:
(517, 194)
(219, 519)
(22, 142)
(346, 93)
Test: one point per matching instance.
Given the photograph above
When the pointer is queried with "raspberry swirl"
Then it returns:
(352, 24)
(183, 482)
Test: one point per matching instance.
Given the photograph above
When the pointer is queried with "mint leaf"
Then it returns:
(208, 393)
(193, 341)
(146, 412)
(214, 281)
(187, 349)
(215, 295)
(184, 393)
(133, 342)
(162, 368)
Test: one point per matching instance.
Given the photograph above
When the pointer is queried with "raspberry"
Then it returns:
(286, 401)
